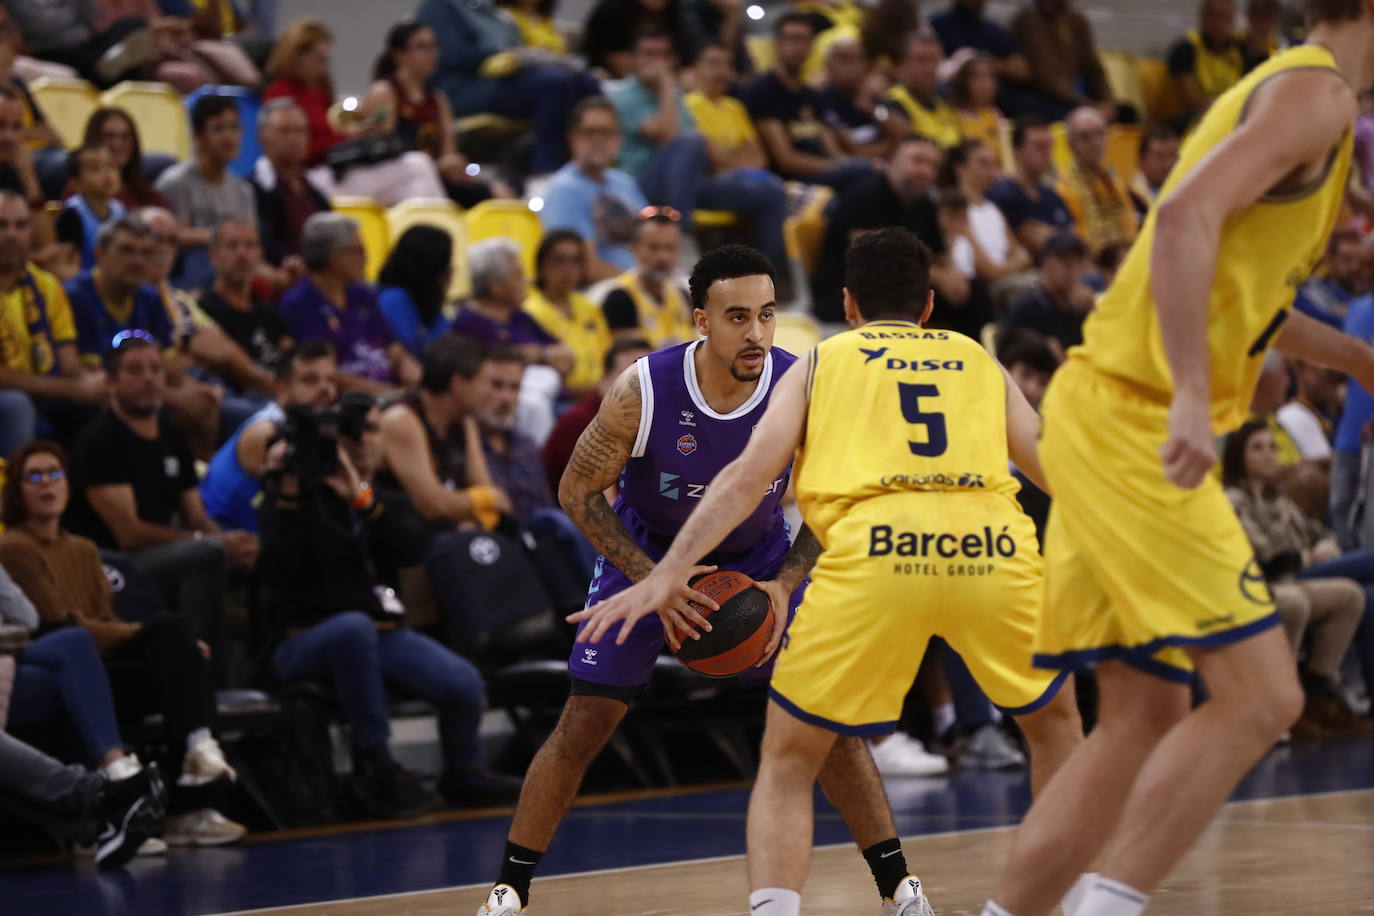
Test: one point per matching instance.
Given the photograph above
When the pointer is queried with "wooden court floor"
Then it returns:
(1279, 857)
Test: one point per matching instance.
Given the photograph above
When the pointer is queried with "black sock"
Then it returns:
(888, 865)
(518, 865)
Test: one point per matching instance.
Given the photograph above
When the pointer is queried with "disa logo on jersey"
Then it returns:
(894, 364)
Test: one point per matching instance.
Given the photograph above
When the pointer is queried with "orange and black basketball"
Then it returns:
(739, 630)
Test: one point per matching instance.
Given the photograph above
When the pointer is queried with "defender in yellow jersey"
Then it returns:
(1148, 573)
(902, 438)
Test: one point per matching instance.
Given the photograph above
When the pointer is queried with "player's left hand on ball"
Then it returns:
(780, 598)
(672, 599)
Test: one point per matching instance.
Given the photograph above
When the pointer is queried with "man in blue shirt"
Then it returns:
(590, 197)
(1033, 209)
(1329, 299)
(1352, 518)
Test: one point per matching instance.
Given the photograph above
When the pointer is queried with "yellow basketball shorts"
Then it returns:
(1136, 568)
(897, 570)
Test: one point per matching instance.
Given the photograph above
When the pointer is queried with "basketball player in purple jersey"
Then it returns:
(664, 430)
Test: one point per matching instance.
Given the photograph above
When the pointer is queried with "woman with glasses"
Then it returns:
(569, 316)
(153, 667)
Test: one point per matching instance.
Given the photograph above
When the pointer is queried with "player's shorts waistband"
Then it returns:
(1081, 369)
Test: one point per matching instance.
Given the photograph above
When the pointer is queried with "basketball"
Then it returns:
(739, 630)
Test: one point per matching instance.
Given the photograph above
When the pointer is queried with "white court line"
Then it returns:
(731, 858)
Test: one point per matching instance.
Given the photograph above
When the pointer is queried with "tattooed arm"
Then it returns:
(596, 463)
(801, 559)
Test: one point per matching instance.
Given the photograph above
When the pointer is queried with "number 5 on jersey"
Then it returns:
(936, 440)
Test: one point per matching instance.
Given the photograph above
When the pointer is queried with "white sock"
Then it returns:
(944, 717)
(774, 901)
(992, 909)
(1106, 897)
(1074, 898)
(122, 768)
(197, 736)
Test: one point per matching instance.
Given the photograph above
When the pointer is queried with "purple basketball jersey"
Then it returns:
(682, 445)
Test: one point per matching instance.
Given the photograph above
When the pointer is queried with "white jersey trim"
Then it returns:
(689, 372)
(646, 407)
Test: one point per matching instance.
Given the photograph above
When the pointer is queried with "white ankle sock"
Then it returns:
(1074, 898)
(774, 901)
(992, 909)
(196, 737)
(944, 717)
(1106, 897)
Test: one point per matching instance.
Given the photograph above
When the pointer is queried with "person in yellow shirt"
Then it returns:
(570, 317)
(646, 300)
(1150, 576)
(39, 363)
(534, 19)
(722, 119)
(974, 94)
(1099, 198)
(916, 95)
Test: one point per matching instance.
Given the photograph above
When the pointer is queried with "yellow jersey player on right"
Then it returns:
(1148, 572)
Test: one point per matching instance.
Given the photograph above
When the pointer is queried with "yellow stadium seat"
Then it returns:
(373, 229)
(446, 215)
(510, 219)
(1005, 150)
(796, 332)
(714, 219)
(762, 53)
(805, 230)
(158, 111)
(1123, 73)
(67, 106)
(1161, 103)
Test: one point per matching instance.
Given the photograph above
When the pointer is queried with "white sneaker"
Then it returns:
(909, 900)
(990, 748)
(902, 755)
(204, 763)
(202, 827)
(153, 846)
(122, 768)
(502, 901)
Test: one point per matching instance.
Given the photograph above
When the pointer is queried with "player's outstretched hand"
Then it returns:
(779, 596)
(1190, 452)
(669, 595)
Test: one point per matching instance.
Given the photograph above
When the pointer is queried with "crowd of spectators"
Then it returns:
(296, 447)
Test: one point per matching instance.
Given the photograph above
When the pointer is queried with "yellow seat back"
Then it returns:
(511, 219)
(762, 53)
(373, 229)
(796, 332)
(805, 230)
(1123, 74)
(158, 111)
(1161, 102)
(446, 215)
(67, 106)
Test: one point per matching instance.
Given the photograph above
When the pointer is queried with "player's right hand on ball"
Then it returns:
(1191, 451)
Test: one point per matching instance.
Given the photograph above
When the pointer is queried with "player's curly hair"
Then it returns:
(1319, 11)
(728, 262)
(888, 273)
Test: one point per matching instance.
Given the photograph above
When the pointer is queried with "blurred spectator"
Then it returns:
(1065, 72)
(1060, 304)
(254, 325)
(68, 32)
(887, 28)
(565, 314)
(614, 25)
(116, 294)
(534, 19)
(136, 490)
(964, 26)
(1261, 35)
(1352, 490)
(1328, 299)
(95, 202)
(300, 70)
(113, 129)
(1208, 60)
(898, 196)
(787, 113)
(915, 97)
(1158, 153)
(186, 60)
(286, 196)
(721, 118)
(850, 101)
(988, 250)
(40, 365)
(1271, 390)
(202, 192)
(1108, 262)
(1097, 196)
(974, 94)
(46, 147)
(1029, 361)
(559, 447)
(484, 69)
(1290, 545)
(339, 625)
(233, 479)
(413, 286)
(154, 667)
(589, 197)
(1310, 416)
(332, 302)
(678, 167)
(431, 445)
(17, 173)
(1033, 208)
(402, 102)
(646, 301)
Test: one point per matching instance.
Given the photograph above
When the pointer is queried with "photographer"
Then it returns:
(324, 535)
(305, 377)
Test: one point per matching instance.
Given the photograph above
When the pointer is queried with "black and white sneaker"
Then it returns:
(131, 812)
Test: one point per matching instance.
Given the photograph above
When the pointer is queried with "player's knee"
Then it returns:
(586, 725)
(1054, 722)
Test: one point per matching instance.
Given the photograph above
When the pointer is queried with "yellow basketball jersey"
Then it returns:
(895, 408)
(1266, 252)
